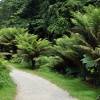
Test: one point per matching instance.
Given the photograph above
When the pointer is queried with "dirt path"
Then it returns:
(32, 87)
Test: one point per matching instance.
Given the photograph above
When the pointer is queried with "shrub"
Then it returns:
(7, 39)
(64, 48)
(48, 61)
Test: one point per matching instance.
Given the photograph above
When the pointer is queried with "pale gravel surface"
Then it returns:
(32, 87)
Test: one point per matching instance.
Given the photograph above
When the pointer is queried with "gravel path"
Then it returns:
(32, 87)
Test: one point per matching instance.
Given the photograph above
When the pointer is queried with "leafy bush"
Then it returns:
(7, 35)
(7, 39)
(48, 61)
(64, 48)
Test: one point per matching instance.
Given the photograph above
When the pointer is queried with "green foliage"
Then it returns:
(7, 40)
(52, 16)
(31, 43)
(7, 35)
(31, 47)
(58, 25)
(7, 87)
(72, 26)
(88, 22)
(31, 9)
(9, 8)
(65, 46)
(48, 61)
(4, 76)
(62, 55)
(90, 63)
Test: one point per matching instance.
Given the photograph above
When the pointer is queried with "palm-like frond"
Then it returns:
(7, 35)
(64, 48)
(89, 23)
(31, 43)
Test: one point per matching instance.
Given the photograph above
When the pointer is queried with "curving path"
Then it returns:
(32, 87)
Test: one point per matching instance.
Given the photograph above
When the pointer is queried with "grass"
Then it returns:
(74, 86)
(8, 88)
(8, 92)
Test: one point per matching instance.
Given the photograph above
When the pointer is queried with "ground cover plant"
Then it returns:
(7, 87)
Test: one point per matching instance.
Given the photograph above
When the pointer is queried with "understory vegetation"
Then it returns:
(7, 87)
(60, 35)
